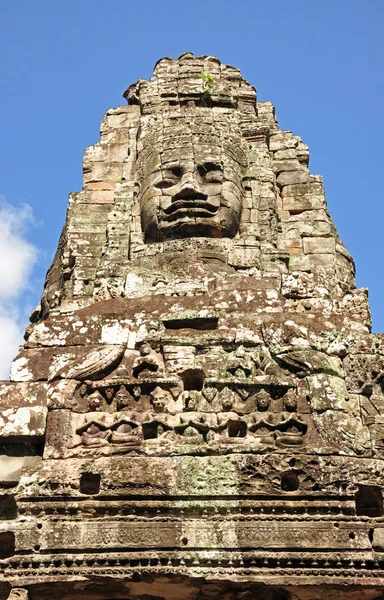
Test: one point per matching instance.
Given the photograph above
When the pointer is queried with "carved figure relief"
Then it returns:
(121, 414)
(146, 363)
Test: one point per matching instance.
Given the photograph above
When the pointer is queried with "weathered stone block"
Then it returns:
(312, 262)
(319, 245)
(286, 154)
(303, 196)
(292, 177)
(120, 117)
(102, 171)
(99, 197)
(23, 421)
(282, 140)
(287, 165)
(14, 395)
(88, 220)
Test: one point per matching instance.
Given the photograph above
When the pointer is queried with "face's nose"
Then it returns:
(188, 191)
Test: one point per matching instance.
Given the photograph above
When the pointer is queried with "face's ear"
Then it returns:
(246, 183)
(136, 189)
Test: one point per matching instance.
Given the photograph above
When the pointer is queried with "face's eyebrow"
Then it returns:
(170, 169)
(160, 170)
(170, 165)
(211, 165)
(175, 171)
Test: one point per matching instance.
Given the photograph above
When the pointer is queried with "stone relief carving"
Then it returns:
(146, 363)
(246, 399)
(193, 187)
(214, 394)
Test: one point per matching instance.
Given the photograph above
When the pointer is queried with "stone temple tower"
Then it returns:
(197, 410)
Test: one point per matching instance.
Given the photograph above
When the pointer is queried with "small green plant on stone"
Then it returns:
(207, 82)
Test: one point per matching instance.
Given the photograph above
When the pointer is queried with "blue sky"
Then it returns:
(64, 63)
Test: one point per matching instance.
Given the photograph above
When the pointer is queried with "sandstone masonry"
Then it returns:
(197, 411)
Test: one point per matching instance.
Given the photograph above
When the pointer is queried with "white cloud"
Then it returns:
(11, 337)
(17, 258)
(18, 255)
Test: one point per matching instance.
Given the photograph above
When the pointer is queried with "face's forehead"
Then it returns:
(190, 157)
(189, 141)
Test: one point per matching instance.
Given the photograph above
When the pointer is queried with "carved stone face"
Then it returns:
(262, 401)
(192, 190)
(95, 401)
(290, 401)
(160, 399)
(123, 398)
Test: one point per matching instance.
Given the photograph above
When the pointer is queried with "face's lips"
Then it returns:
(185, 206)
(185, 214)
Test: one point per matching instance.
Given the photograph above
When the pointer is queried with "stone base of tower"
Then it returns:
(148, 585)
(245, 526)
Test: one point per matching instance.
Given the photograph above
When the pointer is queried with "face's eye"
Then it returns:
(211, 172)
(165, 183)
(170, 177)
(177, 172)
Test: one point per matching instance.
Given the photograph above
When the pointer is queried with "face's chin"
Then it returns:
(188, 227)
